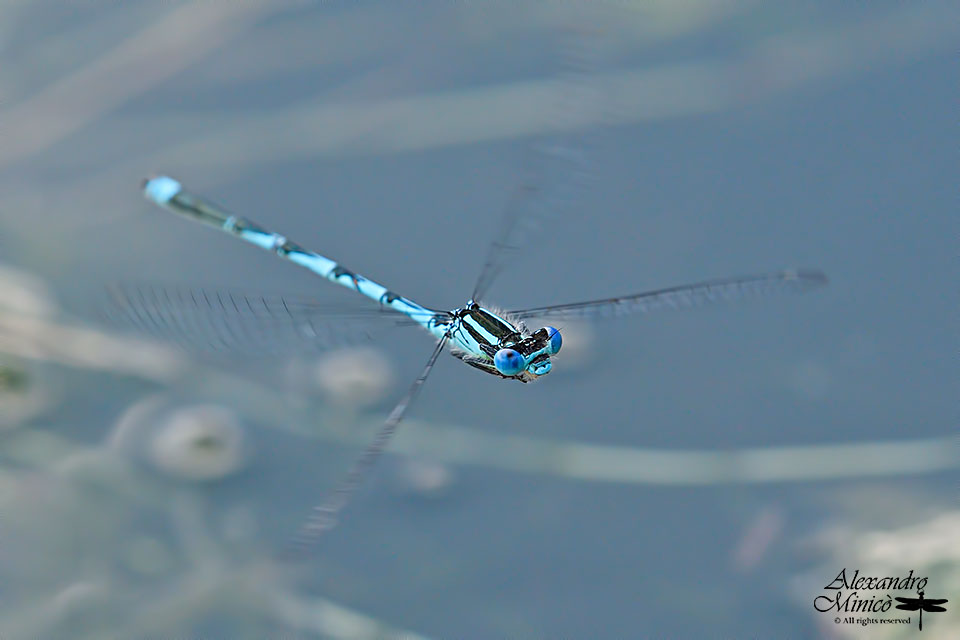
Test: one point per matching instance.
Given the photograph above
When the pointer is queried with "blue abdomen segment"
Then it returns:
(170, 194)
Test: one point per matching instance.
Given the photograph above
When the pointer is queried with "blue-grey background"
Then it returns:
(736, 137)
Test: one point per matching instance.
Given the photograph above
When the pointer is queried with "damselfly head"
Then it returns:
(530, 355)
(512, 363)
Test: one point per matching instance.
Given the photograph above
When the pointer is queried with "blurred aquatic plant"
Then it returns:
(198, 442)
(775, 53)
(24, 392)
(25, 293)
(141, 556)
(761, 532)
(777, 63)
(356, 376)
(26, 389)
(162, 47)
(12, 378)
(422, 478)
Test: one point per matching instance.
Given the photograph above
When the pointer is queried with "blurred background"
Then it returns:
(689, 474)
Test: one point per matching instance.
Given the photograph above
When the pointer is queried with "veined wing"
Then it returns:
(324, 516)
(691, 295)
(559, 171)
(217, 320)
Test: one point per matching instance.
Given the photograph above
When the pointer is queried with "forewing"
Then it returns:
(691, 295)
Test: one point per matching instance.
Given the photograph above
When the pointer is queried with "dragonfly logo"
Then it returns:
(930, 605)
(866, 595)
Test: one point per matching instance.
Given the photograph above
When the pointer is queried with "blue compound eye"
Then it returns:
(556, 340)
(509, 362)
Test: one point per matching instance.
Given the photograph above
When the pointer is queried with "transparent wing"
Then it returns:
(559, 172)
(324, 516)
(691, 295)
(218, 320)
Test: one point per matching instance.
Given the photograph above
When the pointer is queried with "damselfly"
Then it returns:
(497, 343)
